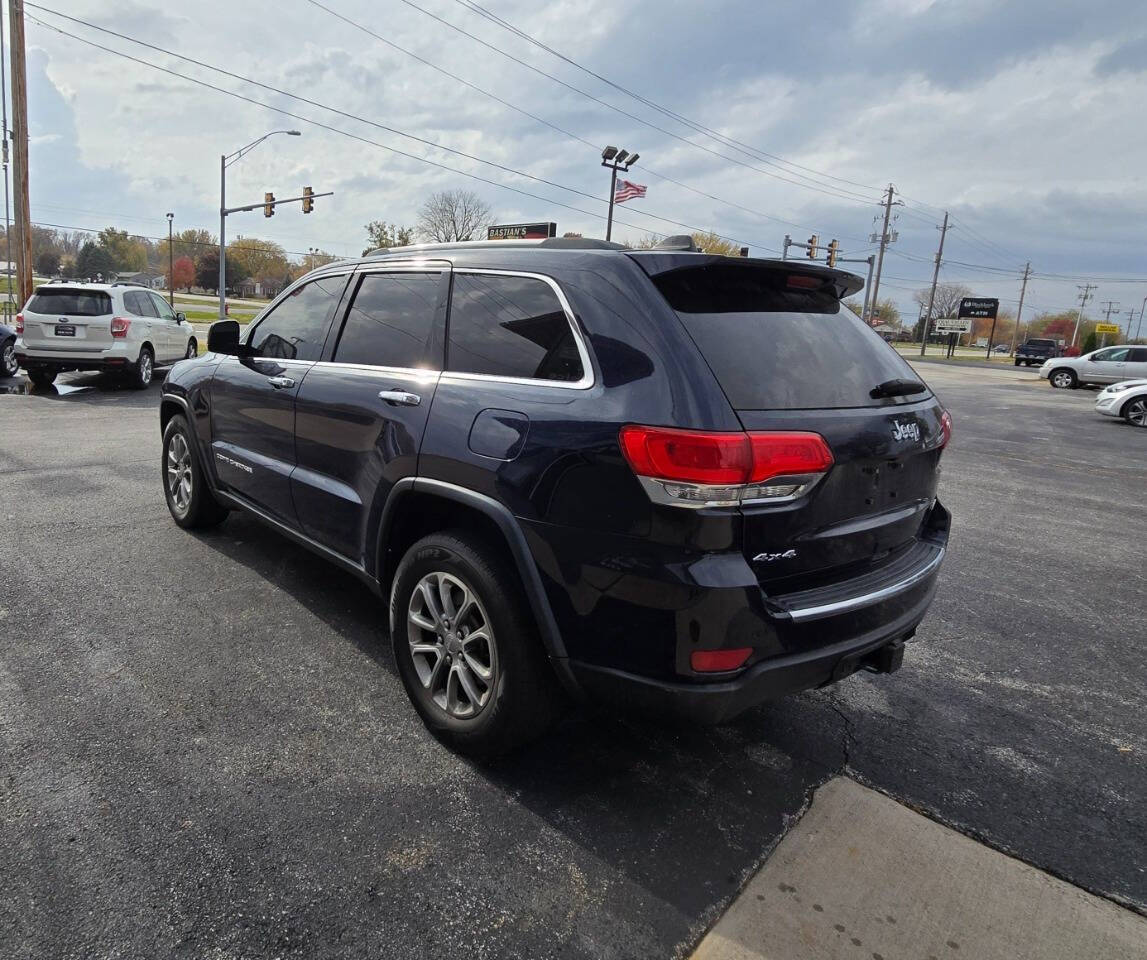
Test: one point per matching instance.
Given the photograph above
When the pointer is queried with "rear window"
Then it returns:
(782, 341)
(75, 303)
(1040, 343)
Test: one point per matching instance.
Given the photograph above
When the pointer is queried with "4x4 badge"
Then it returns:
(905, 431)
(770, 557)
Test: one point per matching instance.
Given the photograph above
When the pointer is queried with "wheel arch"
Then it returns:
(419, 506)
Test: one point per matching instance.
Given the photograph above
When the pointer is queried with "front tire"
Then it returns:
(467, 647)
(1063, 379)
(190, 501)
(143, 369)
(1135, 411)
(192, 350)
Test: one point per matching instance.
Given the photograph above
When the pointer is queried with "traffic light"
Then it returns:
(812, 246)
(833, 249)
(268, 204)
(308, 203)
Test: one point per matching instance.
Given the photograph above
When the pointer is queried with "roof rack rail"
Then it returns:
(580, 243)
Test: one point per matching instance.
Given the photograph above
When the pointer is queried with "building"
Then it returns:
(155, 281)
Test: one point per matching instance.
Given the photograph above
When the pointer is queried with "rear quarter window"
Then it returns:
(776, 341)
(74, 303)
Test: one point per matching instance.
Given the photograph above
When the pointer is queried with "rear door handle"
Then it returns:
(400, 396)
(280, 382)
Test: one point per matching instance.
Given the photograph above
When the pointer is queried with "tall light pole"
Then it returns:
(170, 264)
(616, 160)
(1139, 325)
(225, 161)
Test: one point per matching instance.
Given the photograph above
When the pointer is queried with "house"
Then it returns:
(260, 288)
(155, 281)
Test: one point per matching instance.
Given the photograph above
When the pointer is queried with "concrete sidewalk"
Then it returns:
(861, 876)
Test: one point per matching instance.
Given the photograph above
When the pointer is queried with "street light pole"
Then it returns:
(615, 160)
(170, 264)
(224, 162)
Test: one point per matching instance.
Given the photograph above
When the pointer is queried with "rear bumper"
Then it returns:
(117, 356)
(879, 651)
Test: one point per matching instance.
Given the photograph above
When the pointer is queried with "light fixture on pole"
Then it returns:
(615, 160)
(225, 161)
(170, 264)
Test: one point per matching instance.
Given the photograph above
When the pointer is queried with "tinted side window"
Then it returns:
(295, 328)
(391, 321)
(1138, 355)
(510, 327)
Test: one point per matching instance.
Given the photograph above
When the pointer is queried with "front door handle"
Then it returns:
(280, 383)
(400, 396)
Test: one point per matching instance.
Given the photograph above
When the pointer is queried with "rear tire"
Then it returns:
(189, 499)
(42, 376)
(192, 350)
(481, 681)
(1018, 362)
(142, 370)
(1135, 411)
(1063, 378)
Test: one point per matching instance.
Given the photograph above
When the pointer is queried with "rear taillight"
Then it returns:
(945, 428)
(19, 323)
(120, 327)
(694, 468)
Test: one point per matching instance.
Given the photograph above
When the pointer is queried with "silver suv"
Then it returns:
(100, 326)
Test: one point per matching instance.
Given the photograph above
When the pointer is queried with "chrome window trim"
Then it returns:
(587, 377)
(423, 373)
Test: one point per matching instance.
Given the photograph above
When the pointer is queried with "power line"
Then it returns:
(366, 140)
(739, 145)
(837, 193)
(553, 126)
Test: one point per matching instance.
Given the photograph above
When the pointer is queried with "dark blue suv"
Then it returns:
(678, 481)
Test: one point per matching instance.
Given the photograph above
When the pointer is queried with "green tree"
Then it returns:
(126, 253)
(95, 261)
(207, 272)
(885, 311)
(261, 259)
(1090, 342)
(48, 263)
(379, 233)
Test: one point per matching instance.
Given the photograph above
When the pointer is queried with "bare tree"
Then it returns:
(451, 215)
(947, 302)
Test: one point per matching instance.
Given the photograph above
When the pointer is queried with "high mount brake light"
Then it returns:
(698, 468)
(120, 327)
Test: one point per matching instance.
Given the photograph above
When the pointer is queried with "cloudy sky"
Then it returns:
(1025, 120)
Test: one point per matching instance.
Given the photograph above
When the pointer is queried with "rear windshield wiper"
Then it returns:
(896, 388)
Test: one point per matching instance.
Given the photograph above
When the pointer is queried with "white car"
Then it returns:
(1109, 365)
(100, 326)
(1127, 400)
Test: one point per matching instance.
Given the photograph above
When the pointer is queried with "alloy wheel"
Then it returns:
(452, 645)
(10, 364)
(145, 367)
(1062, 380)
(179, 472)
(1137, 412)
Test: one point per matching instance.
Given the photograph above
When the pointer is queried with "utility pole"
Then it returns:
(885, 239)
(1020, 311)
(935, 277)
(1130, 319)
(8, 310)
(868, 286)
(1139, 325)
(20, 158)
(170, 264)
(1111, 305)
(1084, 296)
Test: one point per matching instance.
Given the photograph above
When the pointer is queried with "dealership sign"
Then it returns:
(977, 307)
(952, 325)
(522, 231)
(1108, 328)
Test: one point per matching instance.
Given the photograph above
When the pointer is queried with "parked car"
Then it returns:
(1109, 365)
(9, 365)
(1036, 350)
(115, 327)
(678, 481)
(1127, 399)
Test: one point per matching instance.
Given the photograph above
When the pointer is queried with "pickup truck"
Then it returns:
(1036, 350)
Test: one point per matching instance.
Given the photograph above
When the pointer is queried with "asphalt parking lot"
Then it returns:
(205, 749)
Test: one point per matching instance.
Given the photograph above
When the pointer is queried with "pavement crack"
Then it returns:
(849, 732)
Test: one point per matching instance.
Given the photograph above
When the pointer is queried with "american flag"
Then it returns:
(627, 190)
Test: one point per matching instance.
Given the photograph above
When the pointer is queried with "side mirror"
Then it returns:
(223, 337)
(180, 317)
